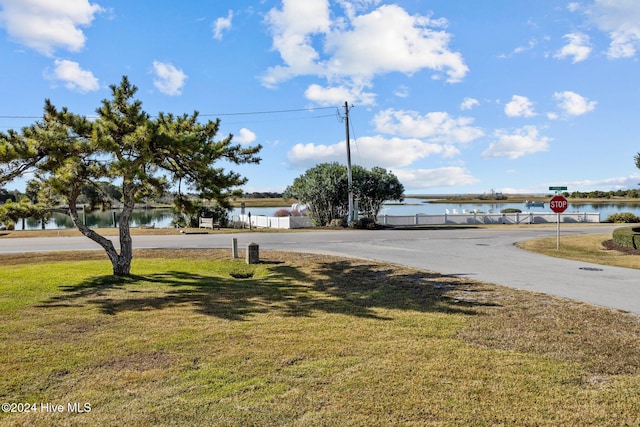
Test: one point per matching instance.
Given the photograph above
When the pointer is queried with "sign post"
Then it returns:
(558, 204)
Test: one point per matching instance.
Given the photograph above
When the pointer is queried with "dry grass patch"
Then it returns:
(308, 340)
(582, 247)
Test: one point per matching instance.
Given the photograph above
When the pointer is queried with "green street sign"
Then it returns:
(557, 188)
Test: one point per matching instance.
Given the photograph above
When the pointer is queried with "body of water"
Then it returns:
(161, 218)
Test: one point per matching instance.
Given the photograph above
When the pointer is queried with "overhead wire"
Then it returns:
(239, 113)
(280, 120)
(267, 112)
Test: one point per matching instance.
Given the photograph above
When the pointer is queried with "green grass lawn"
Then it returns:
(307, 340)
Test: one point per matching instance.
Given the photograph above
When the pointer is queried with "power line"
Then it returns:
(268, 112)
(287, 119)
(245, 113)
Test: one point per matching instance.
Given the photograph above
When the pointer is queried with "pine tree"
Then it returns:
(126, 147)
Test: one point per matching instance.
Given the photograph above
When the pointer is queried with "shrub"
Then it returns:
(286, 212)
(510, 210)
(282, 213)
(338, 222)
(628, 237)
(363, 223)
(218, 213)
(622, 217)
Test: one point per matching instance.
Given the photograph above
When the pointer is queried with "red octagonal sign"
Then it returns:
(558, 204)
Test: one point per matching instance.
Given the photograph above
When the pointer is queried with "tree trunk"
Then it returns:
(121, 262)
(123, 266)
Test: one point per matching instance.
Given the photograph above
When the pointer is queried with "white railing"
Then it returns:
(481, 218)
(423, 219)
(274, 221)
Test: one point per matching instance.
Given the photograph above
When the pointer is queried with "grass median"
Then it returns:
(302, 340)
(591, 248)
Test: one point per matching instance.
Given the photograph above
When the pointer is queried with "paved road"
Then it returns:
(483, 254)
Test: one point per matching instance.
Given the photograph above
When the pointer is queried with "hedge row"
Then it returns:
(628, 237)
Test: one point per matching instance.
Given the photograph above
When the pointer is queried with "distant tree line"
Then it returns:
(632, 194)
(262, 195)
(493, 196)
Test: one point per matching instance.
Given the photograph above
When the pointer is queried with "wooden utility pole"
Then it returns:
(349, 174)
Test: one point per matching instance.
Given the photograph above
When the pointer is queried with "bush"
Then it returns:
(339, 222)
(628, 237)
(190, 217)
(286, 212)
(218, 213)
(623, 217)
(282, 213)
(363, 223)
(510, 210)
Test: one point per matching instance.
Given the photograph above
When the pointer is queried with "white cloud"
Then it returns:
(523, 141)
(573, 7)
(367, 151)
(169, 80)
(436, 126)
(519, 106)
(469, 103)
(221, 25)
(45, 25)
(578, 47)
(390, 40)
(574, 104)
(245, 136)
(402, 91)
(617, 183)
(350, 51)
(530, 45)
(292, 28)
(351, 7)
(620, 19)
(416, 179)
(74, 77)
(339, 94)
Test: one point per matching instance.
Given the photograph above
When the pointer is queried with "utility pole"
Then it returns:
(349, 175)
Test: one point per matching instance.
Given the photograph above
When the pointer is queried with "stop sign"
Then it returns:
(558, 204)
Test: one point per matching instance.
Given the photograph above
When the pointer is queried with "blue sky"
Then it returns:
(460, 96)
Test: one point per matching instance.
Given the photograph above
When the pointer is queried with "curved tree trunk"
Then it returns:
(121, 262)
(123, 265)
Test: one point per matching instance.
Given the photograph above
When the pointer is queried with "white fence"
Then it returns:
(481, 218)
(274, 221)
(423, 219)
